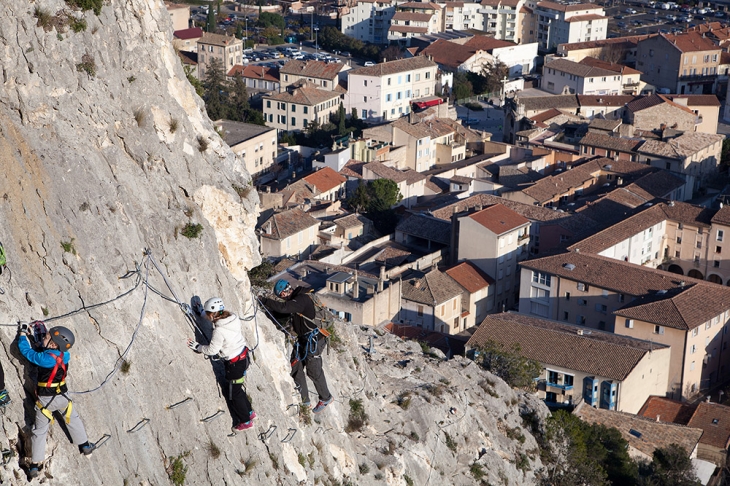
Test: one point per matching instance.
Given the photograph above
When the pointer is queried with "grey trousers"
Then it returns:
(312, 366)
(40, 428)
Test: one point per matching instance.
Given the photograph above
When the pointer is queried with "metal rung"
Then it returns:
(265, 435)
(102, 441)
(7, 455)
(139, 426)
(175, 405)
(289, 435)
(213, 417)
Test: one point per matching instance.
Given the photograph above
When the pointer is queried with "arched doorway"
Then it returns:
(695, 274)
(675, 269)
(714, 279)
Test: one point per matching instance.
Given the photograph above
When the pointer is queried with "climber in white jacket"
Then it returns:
(228, 343)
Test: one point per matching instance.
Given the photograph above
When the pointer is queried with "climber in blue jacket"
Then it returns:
(51, 391)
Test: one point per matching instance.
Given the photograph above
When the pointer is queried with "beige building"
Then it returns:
(619, 50)
(495, 240)
(412, 19)
(329, 185)
(288, 233)
(186, 40)
(692, 153)
(226, 48)
(476, 298)
(683, 63)
(432, 301)
(602, 369)
(411, 184)
(180, 15)
(705, 107)
(428, 142)
(255, 145)
(300, 105)
(559, 23)
(317, 73)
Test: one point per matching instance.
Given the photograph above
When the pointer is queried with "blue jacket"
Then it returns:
(44, 359)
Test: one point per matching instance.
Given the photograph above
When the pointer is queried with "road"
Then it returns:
(490, 119)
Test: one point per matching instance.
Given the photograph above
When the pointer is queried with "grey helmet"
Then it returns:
(63, 337)
(214, 305)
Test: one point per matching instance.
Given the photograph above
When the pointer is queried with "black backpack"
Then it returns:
(323, 318)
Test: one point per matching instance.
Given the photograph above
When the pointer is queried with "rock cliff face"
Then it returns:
(107, 151)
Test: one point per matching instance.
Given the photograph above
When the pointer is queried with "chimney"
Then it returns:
(580, 332)
(381, 278)
(657, 417)
(356, 288)
(417, 284)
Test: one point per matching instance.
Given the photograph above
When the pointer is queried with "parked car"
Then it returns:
(630, 11)
(619, 17)
(621, 24)
(369, 64)
(345, 54)
(671, 17)
(720, 15)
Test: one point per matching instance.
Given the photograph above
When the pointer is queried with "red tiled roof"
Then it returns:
(353, 168)
(714, 419)
(690, 42)
(255, 72)
(470, 276)
(448, 53)
(412, 16)
(666, 410)
(617, 68)
(186, 34)
(697, 100)
(325, 179)
(484, 43)
(312, 69)
(499, 219)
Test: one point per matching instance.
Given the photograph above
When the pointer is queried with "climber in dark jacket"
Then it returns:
(307, 352)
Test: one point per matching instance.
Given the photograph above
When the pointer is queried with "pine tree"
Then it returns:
(341, 128)
(216, 87)
(354, 116)
(210, 23)
(239, 103)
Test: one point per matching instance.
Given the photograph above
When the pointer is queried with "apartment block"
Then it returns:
(384, 92)
(562, 76)
(508, 20)
(300, 105)
(320, 74)
(463, 16)
(369, 21)
(254, 144)
(560, 24)
(226, 48)
(428, 142)
(412, 19)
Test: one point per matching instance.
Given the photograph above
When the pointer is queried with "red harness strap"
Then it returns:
(59, 364)
(240, 356)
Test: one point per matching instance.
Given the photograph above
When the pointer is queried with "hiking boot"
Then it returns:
(4, 398)
(197, 306)
(243, 426)
(87, 449)
(34, 471)
(321, 405)
(252, 416)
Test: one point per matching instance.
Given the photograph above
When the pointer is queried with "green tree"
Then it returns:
(376, 199)
(194, 81)
(360, 200)
(258, 275)
(341, 128)
(353, 115)
(239, 31)
(671, 466)
(390, 53)
(215, 85)
(210, 23)
(239, 105)
(725, 154)
(494, 72)
(462, 87)
(268, 19)
(384, 194)
(509, 364)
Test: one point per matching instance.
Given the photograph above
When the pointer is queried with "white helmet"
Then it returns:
(214, 304)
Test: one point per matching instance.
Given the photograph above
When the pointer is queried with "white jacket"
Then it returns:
(227, 340)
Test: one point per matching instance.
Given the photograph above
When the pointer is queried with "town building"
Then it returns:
(562, 76)
(463, 16)
(295, 108)
(323, 75)
(511, 20)
(256, 77)
(561, 23)
(287, 233)
(225, 48)
(601, 369)
(187, 39)
(684, 63)
(412, 19)
(180, 15)
(477, 298)
(385, 91)
(432, 301)
(255, 145)
(369, 20)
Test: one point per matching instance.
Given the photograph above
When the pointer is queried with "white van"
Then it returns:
(204, 8)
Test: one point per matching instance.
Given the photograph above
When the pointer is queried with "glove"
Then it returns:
(24, 328)
(194, 345)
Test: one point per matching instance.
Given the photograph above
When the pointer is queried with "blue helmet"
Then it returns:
(280, 287)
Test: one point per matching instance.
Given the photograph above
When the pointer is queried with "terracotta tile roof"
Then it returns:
(689, 214)
(432, 288)
(325, 179)
(353, 168)
(682, 308)
(189, 58)
(412, 16)
(546, 115)
(574, 223)
(601, 140)
(304, 95)
(312, 69)
(655, 185)
(499, 219)
(352, 221)
(682, 147)
(697, 100)
(392, 256)
(654, 435)
(252, 71)
(217, 39)
(610, 66)
(470, 276)
(505, 3)
(567, 8)
(287, 223)
(621, 42)
(553, 343)
(426, 227)
(665, 410)
(690, 42)
(394, 67)
(602, 124)
(722, 216)
(585, 18)
(609, 100)
(185, 34)
(433, 128)
(644, 102)
(714, 419)
(543, 103)
(436, 185)
(410, 176)
(486, 43)
(421, 5)
(408, 29)
(608, 273)
(448, 53)
(613, 207)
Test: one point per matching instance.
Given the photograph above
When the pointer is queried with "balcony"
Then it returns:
(698, 78)
(544, 385)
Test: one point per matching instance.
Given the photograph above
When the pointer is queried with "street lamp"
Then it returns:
(245, 39)
(316, 39)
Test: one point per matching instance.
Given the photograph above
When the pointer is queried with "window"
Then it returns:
(567, 295)
(691, 368)
(621, 297)
(679, 240)
(692, 349)
(389, 97)
(398, 95)
(582, 287)
(718, 249)
(420, 311)
(601, 308)
(629, 323)
(365, 99)
(408, 78)
(364, 114)
(552, 377)
(581, 321)
(268, 103)
(293, 121)
(293, 108)
(720, 235)
(605, 294)
(695, 331)
(305, 123)
(418, 76)
(566, 315)
(388, 81)
(428, 75)
(658, 329)
(539, 309)
(582, 302)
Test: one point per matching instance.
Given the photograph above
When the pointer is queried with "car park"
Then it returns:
(671, 17)
(619, 17)
(720, 15)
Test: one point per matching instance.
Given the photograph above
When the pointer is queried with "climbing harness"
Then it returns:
(140, 425)
(182, 402)
(241, 356)
(49, 415)
(311, 345)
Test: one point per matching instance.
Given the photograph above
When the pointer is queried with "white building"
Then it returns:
(511, 20)
(298, 106)
(369, 21)
(384, 92)
(560, 24)
(463, 16)
(413, 19)
(562, 76)
(254, 144)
